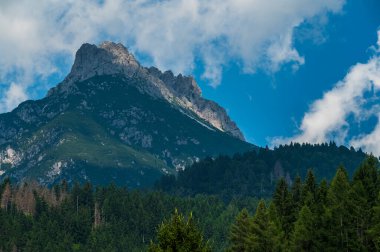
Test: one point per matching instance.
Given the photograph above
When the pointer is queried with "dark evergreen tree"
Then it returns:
(309, 189)
(374, 231)
(339, 207)
(264, 234)
(303, 237)
(179, 234)
(296, 196)
(240, 231)
(282, 200)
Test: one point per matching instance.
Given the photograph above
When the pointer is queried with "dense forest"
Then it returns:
(308, 214)
(341, 216)
(255, 173)
(83, 218)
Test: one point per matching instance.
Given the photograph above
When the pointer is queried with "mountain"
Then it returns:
(112, 119)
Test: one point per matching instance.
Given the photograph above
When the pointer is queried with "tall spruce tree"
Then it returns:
(374, 231)
(303, 237)
(365, 187)
(179, 234)
(240, 231)
(340, 216)
(264, 234)
(296, 196)
(283, 201)
(309, 190)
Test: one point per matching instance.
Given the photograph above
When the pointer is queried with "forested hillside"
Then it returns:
(256, 173)
(309, 215)
(343, 215)
(83, 218)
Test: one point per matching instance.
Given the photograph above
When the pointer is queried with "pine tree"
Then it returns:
(275, 230)
(322, 218)
(179, 234)
(338, 202)
(303, 237)
(364, 193)
(360, 216)
(240, 231)
(296, 195)
(264, 235)
(283, 202)
(374, 231)
(367, 173)
(309, 189)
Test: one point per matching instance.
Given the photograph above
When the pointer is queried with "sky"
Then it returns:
(286, 71)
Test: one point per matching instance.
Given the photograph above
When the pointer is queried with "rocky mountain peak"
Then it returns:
(106, 59)
(110, 58)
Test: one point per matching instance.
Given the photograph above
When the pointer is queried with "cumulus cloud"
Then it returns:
(172, 34)
(13, 96)
(352, 100)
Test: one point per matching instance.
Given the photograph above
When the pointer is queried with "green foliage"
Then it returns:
(179, 234)
(240, 231)
(303, 236)
(341, 216)
(255, 173)
(305, 216)
(374, 231)
(127, 220)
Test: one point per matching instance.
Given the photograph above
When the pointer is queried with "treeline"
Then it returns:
(341, 216)
(255, 173)
(83, 218)
(308, 215)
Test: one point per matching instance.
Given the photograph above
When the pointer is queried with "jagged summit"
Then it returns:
(110, 58)
(112, 119)
(106, 59)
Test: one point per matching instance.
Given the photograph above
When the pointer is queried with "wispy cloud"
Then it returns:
(352, 100)
(174, 34)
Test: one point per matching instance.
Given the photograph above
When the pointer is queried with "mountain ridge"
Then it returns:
(121, 123)
(110, 58)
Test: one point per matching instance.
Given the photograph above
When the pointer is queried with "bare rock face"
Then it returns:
(182, 91)
(108, 58)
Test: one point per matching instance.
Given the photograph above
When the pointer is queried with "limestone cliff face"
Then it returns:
(114, 59)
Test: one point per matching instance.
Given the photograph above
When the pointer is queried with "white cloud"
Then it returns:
(370, 142)
(173, 33)
(13, 96)
(352, 100)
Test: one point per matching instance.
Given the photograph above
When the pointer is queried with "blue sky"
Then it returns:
(300, 70)
(270, 105)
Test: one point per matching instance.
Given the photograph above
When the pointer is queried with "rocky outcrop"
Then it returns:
(182, 91)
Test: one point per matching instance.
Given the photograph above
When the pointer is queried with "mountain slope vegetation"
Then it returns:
(256, 173)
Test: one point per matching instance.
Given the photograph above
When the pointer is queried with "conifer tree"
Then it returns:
(296, 195)
(283, 202)
(322, 217)
(360, 216)
(374, 231)
(240, 232)
(264, 235)
(275, 230)
(367, 173)
(179, 234)
(303, 237)
(309, 189)
(338, 201)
